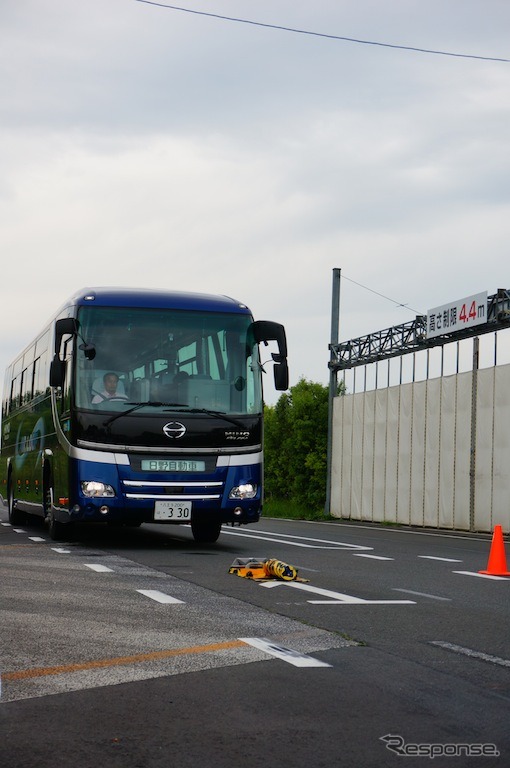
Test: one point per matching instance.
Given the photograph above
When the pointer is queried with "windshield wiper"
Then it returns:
(217, 415)
(189, 409)
(136, 406)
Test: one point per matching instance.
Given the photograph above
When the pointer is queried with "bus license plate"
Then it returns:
(172, 510)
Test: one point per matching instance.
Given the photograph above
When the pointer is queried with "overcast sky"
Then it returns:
(144, 146)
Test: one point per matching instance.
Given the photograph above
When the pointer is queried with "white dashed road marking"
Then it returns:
(482, 575)
(471, 653)
(422, 594)
(286, 539)
(335, 598)
(160, 597)
(281, 652)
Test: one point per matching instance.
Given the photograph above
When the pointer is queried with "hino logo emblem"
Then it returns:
(174, 430)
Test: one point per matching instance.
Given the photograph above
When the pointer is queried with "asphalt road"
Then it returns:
(138, 648)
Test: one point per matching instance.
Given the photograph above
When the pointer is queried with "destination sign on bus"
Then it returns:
(457, 316)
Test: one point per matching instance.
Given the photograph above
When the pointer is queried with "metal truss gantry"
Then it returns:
(412, 337)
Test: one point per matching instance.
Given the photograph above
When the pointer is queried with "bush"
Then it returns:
(295, 444)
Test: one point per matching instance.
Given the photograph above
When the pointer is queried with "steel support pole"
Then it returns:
(474, 415)
(333, 380)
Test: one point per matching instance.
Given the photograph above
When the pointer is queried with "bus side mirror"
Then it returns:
(57, 372)
(64, 327)
(281, 376)
(266, 330)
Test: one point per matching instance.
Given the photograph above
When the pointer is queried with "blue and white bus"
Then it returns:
(136, 406)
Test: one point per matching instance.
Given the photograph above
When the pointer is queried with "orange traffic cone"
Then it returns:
(497, 559)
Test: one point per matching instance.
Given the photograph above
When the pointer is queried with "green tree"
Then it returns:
(295, 444)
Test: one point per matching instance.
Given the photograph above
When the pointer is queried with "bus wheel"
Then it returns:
(205, 531)
(58, 531)
(16, 517)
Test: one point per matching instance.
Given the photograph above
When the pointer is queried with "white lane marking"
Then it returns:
(160, 597)
(7, 525)
(472, 654)
(336, 598)
(442, 559)
(269, 537)
(36, 538)
(98, 568)
(364, 602)
(19, 530)
(372, 557)
(322, 541)
(391, 530)
(422, 594)
(482, 575)
(281, 652)
(61, 550)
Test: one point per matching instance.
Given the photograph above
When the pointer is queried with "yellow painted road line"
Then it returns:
(26, 674)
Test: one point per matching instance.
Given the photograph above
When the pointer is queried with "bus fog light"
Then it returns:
(93, 488)
(244, 491)
(238, 511)
(104, 509)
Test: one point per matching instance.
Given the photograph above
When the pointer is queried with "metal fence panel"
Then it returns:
(501, 451)
(403, 454)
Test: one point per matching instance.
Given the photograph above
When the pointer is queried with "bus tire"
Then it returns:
(16, 517)
(205, 531)
(58, 531)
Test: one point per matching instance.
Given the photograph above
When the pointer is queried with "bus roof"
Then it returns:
(143, 298)
(151, 298)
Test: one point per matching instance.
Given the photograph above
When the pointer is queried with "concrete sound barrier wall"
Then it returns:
(432, 453)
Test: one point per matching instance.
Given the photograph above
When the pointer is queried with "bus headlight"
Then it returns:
(91, 488)
(245, 491)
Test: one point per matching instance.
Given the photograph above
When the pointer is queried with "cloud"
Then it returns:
(146, 147)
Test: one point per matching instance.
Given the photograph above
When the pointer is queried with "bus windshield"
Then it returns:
(156, 358)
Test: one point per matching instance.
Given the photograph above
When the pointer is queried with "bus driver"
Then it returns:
(111, 381)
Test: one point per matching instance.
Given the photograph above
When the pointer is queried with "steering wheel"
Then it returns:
(103, 398)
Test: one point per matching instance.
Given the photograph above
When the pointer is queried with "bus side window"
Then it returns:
(27, 384)
(41, 382)
(15, 393)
